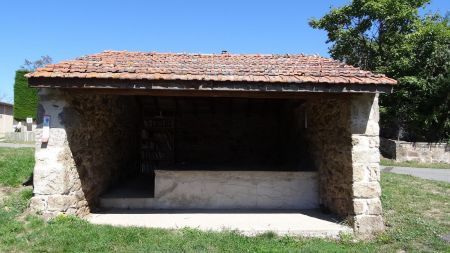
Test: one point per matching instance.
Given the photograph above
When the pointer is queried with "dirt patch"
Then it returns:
(5, 191)
(435, 213)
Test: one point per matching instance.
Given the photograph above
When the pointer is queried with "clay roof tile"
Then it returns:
(211, 67)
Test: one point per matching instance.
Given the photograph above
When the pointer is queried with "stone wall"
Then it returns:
(343, 138)
(236, 190)
(91, 140)
(424, 152)
(20, 137)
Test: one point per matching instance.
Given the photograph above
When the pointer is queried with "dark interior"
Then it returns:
(234, 134)
(222, 134)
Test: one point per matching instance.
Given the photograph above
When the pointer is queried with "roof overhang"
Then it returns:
(204, 88)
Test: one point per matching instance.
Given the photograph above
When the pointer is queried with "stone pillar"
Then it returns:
(92, 144)
(57, 187)
(367, 211)
(342, 137)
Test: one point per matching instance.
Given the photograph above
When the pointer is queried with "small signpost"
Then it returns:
(29, 124)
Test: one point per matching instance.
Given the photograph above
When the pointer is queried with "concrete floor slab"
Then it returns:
(309, 224)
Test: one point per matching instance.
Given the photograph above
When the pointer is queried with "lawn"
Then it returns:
(16, 165)
(389, 162)
(417, 213)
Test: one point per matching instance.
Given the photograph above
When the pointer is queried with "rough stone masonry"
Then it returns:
(85, 151)
(343, 138)
(88, 132)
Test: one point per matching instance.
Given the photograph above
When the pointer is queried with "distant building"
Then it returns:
(6, 117)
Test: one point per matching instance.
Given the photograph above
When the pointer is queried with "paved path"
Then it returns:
(15, 145)
(433, 174)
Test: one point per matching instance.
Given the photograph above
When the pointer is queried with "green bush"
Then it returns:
(25, 98)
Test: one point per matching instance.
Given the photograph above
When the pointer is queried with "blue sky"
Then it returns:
(67, 29)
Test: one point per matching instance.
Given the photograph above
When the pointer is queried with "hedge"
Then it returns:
(25, 98)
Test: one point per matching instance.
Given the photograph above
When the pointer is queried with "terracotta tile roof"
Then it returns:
(211, 67)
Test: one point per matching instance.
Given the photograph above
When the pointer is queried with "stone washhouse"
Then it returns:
(176, 131)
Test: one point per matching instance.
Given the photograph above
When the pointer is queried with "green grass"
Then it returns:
(16, 165)
(417, 212)
(389, 162)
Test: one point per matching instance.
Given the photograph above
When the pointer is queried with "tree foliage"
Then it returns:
(390, 37)
(25, 98)
(32, 65)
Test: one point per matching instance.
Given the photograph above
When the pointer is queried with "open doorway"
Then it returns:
(204, 145)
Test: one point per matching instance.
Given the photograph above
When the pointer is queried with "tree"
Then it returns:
(390, 37)
(26, 98)
(32, 65)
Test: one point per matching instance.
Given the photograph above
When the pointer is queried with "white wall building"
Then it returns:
(6, 117)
